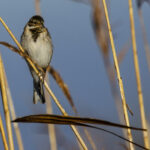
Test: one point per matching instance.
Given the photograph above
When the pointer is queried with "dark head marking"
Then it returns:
(37, 25)
(36, 20)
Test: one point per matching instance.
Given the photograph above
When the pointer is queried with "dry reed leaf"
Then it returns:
(46, 118)
(62, 85)
(56, 119)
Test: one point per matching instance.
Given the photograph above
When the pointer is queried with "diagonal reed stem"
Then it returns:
(138, 78)
(5, 106)
(126, 117)
(46, 86)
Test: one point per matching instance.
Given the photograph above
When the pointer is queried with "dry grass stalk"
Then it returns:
(5, 106)
(13, 115)
(37, 7)
(118, 76)
(138, 78)
(45, 84)
(2, 131)
(51, 128)
(146, 45)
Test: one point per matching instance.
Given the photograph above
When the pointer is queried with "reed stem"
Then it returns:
(137, 73)
(121, 87)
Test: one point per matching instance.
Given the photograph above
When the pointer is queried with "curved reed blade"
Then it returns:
(44, 118)
(69, 120)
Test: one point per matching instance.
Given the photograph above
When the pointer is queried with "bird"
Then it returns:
(37, 44)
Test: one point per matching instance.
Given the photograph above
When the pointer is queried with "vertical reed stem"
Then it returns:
(118, 76)
(5, 106)
(2, 131)
(13, 115)
(138, 78)
(51, 127)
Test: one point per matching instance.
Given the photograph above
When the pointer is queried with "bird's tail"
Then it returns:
(38, 94)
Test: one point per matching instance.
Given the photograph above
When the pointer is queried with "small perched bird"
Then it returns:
(36, 42)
